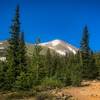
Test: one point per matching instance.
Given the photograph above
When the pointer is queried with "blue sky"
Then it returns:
(53, 19)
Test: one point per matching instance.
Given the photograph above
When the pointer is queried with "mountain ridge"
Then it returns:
(59, 46)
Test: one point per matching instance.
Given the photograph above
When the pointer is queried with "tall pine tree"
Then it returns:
(88, 64)
(15, 52)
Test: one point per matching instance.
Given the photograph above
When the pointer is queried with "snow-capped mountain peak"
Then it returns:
(60, 47)
(56, 42)
(53, 42)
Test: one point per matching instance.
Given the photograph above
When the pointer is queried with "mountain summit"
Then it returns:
(60, 47)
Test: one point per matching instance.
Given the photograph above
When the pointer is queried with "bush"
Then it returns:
(51, 83)
(23, 82)
(76, 76)
(76, 80)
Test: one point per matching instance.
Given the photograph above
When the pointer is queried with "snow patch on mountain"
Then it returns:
(55, 42)
(71, 49)
(43, 44)
(52, 43)
(60, 47)
(60, 52)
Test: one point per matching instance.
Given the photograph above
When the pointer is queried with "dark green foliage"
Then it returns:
(88, 62)
(22, 54)
(24, 81)
(93, 68)
(56, 65)
(39, 70)
(10, 78)
(97, 60)
(75, 70)
(51, 83)
(16, 53)
(76, 77)
(85, 41)
(48, 63)
(3, 67)
(66, 79)
(13, 50)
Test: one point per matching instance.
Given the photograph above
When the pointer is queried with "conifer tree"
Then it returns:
(37, 63)
(48, 63)
(93, 67)
(16, 51)
(86, 56)
(22, 53)
(2, 74)
(85, 52)
(55, 65)
(75, 69)
(37, 57)
(85, 41)
(97, 60)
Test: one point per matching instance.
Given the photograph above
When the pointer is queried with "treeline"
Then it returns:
(21, 72)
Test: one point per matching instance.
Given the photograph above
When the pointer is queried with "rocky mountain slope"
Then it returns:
(58, 46)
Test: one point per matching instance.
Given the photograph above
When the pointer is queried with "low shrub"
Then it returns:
(51, 83)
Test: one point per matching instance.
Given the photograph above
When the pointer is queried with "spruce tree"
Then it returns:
(36, 57)
(48, 63)
(2, 74)
(94, 68)
(22, 53)
(88, 65)
(75, 69)
(13, 50)
(37, 68)
(85, 41)
(16, 60)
